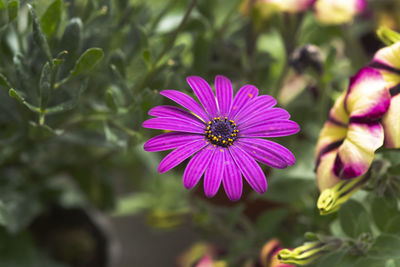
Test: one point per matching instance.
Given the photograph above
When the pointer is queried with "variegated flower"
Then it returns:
(353, 132)
(338, 11)
(387, 61)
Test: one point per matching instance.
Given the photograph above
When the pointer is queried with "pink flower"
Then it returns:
(224, 136)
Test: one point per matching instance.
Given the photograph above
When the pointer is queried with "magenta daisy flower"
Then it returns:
(223, 137)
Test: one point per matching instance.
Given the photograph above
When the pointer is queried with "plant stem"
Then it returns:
(167, 46)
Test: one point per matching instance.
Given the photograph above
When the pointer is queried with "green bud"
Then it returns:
(308, 252)
(388, 36)
(331, 199)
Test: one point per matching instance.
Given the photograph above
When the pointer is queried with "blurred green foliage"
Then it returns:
(77, 78)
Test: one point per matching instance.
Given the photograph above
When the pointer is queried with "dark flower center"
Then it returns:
(221, 132)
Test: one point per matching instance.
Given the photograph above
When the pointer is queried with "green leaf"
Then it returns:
(133, 204)
(38, 35)
(111, 101)
(71, 40)
(51, 18)
(13, 93)
(118, 60)
(383, 210)
(354, 219)
(45, 85)
(146, 57)
(87, 61)
(4, 214)
(268, 221)
(386, 246)
(288, 190)
(4, 82)
(2, 4)
(12, 8)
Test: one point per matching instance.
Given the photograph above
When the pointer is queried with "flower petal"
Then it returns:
(224, 92)
(273, 128)
(204, 93)
(255, 105)
(173, 124)
(187, 102)
(326, 178)
(196, 166)
(249, 168)
(266, 151)
(391, 123)
(338, 114)
(387, 60)
(214, 172)
(245, 94)
(356, 153)
(174, 112)
(168, 141)
(264, 116)
(330, 134)
(232, 179)
(367, 97)
(175, 157)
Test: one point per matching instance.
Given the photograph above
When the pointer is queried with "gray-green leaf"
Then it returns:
(87, 61)
(386, 246)
(45, 85)
(38, 35)
(12, 8)
(51, 18)
(354, 219)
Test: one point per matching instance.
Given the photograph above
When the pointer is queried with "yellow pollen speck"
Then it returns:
(250, 95)
(219, 136)
(208, 128)
(209, 122)
(226, 118)
(223, 141)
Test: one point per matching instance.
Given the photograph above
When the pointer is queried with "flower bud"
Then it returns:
(308, 252)
(331, 199)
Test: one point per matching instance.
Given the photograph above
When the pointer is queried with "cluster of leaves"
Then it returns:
(78, 77)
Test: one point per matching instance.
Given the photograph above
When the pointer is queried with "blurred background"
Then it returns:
(77, 78)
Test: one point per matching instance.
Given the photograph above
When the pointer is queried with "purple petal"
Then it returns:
(172, 124)
(250, 169)
(197, 166)
(214, 172)
(175, 157)
(174, 112)
(224, 92)
(168, 141)
(263, 116)
(273, 128)
(262, 102)
(204, 93)
(187, 102)
(267, 152)
(232, 179)
(244, 95)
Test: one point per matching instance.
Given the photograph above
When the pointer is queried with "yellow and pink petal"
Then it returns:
(387, 61)
(391, 123)
(356, 153)
(338, 11)
(367, 98)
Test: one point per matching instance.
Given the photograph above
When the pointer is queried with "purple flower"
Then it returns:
(224, 137)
